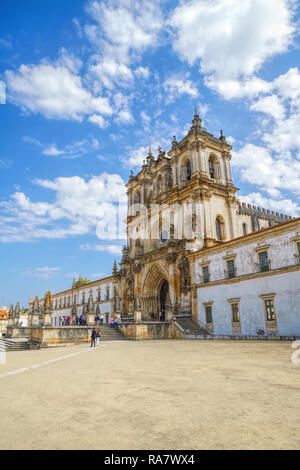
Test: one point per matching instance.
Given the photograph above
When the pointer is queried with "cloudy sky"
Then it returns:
(85, 86)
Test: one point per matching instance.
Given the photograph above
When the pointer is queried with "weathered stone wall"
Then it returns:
(18, 332)
(60, 336)
(151, 330)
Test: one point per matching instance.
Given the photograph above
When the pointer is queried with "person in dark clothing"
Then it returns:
(93, 338)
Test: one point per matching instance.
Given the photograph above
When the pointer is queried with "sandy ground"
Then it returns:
(152, 395)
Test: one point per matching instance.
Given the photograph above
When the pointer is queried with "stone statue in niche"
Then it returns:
(184, 269)
(130, 286)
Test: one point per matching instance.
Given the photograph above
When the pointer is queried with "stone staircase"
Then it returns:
(191, 328)
(110, 334)
(13, 344)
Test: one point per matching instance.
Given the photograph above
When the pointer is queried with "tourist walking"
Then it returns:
(93, 338)
(111, 321)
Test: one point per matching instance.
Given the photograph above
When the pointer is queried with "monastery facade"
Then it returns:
(195, 253)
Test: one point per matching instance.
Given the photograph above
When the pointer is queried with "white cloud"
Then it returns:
(121, 30)
(288, 84)
(231, 40)
(70, 151)
(271, 105)
(111, 74)
(99, 120)
(111, 249)
(175, 86)
(122, 108)
(45, 272)
(2, 92)
(123, 27)
(53, 91)
(142, 72)
(79, 205)
(270, 173)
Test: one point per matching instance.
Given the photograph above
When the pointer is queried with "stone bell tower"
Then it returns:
(181, 200)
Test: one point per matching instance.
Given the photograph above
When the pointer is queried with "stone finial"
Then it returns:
(115, 267)
(90, 304)
(11, 312)
(222, 137)
(17, 310)
(48, 301)
(131, 176)
(196, 122)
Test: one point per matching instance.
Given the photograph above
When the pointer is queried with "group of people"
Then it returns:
(155, 316)
(99, 319)
(113, 322)
(95, 337)
(69, 321)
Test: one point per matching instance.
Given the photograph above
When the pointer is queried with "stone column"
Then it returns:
(169, 308)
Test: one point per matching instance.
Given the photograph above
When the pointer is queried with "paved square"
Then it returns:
(152, 395)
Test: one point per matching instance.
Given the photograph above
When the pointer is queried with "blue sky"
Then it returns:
(86, 85)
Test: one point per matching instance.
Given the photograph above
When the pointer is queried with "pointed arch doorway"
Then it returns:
(155, 290)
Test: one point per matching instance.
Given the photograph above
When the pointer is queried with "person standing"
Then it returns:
(111, 320)
(98, 336)
(93, 338)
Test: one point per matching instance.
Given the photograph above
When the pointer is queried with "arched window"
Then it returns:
(212, 170)
(244, 229)
(220, 229)
(188, 169)
(137, 197)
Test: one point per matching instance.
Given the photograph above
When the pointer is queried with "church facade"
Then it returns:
(196, 256)
(183, 218)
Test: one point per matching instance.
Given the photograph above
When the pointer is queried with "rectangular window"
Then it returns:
(231, 268)
(298, 254)
(270, 310)
(235, 313)
(205, 274)
(208, 314)
(264, 261)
